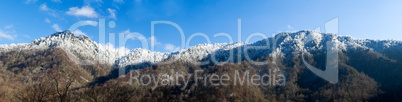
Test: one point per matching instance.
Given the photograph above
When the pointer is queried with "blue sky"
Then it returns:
(22, 21)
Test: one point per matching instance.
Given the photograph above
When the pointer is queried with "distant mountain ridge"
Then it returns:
(82, 47)
(369, 70)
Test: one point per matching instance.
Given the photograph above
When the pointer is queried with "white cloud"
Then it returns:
(89, 2)
(93, 23)
(79, 32)
(47, 20)
(318, 29)
(30, 1)
(150, 39)
(126, 32)
(7, 36)
(153, 39)
(7, 33)
(57, 1)
(27, 36)
(119, 1)
(141, 38)
(43, 7)
(9, 26)
(85, 11)
(112, 13)
(56, 27)
(171, 47)
(129, 32)
(290, 27)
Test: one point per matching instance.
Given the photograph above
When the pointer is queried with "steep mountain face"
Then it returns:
(283, 44)
(79, 48)
(362, 63)
(289, 42)
(83, 48)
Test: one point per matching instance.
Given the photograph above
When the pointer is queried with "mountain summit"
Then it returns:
(367, 69)
(82, 47)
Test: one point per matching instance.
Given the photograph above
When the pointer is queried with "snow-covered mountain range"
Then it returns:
(83, 50)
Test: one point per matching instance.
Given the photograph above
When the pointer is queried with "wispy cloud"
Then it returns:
(47, 20)
(150, 39)
(44, 7)
(126, 31)
(290, 27)
(9, 26)
(93, 23)
(99, 1)
(5, 35)
(30, 1)
(112, 13)
(56, 27)
(171, 47)
(85, 11)
(26, 36)
(57, 1)
(119, 1)
(153, 39)
(79, 32)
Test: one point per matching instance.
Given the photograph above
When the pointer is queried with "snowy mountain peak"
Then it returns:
(67, 35)
(285, 43)
(64, 33)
